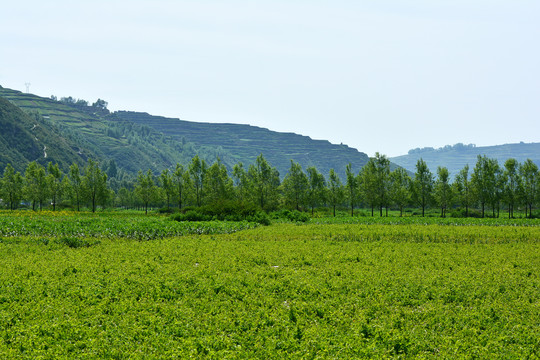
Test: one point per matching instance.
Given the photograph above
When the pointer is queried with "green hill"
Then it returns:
(30, 137)
(243, 143)
(457, 156)
(133, 147)
(139, 141)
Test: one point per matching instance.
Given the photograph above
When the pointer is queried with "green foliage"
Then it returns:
(293, 216)
(138, 141)
(284, 291)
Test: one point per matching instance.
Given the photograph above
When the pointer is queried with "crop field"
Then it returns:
(81, 286)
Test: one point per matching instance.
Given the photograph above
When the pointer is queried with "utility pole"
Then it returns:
(27, 87)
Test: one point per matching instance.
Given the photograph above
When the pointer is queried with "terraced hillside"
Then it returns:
(457, 156)
(132, 147)
(245, 143)
(139, 141)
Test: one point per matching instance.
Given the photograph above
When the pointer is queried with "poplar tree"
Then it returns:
(368, 184)
(180, 183)
(295, 186)
(197, 170)
(463, 190)
(167, 186)
(145, 188)
(511, 181)
(75, 185)
(54, 182)
(400, 183)
(94, 184)
(422, 185)
(316, 188)
(35, 189)
(218, 185)
(335, 190)
(443, 189)
(530, 179)
(11, 187)
(382, 182)
(264, 183)
(352, 187)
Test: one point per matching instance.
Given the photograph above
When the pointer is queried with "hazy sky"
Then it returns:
(376, 75)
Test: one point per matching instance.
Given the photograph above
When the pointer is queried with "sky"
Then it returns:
(378, 75)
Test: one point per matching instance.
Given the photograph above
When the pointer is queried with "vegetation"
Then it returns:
(136, 141)
(85, 286)
(212, 189)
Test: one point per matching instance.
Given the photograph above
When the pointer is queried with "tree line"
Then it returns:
(488, 187)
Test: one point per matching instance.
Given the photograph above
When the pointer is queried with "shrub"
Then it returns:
(73, 242)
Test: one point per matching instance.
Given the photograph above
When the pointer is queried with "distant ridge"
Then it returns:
(457, 156)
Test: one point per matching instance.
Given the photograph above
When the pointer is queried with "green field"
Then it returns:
(302, 291)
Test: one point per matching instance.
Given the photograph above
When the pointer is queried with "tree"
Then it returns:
(167, 185)
(240, 181)
(295, 186)
(484, 181)
(443, 189)
(335, 190)
(528, 172)
(422, 185)
(180, 182)
(511, 184)
(54, 182)
(94, 184)
(100, 104)
(400, 183)
(145, 188)
(75, 185)
(368, 184)
(351, 186)
(35, 189)
(462, 187)
(382, 183)
(197, 170)
(264, 183)
(218, 184)
(11, 187)
(316, 188)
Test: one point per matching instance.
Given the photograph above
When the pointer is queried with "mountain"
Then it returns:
(457, 156)
(27, 137)
(139, 141)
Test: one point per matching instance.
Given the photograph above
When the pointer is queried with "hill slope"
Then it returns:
(245, 142)
(131, 146)
(25, 138)
(457, 156)
(139, 141)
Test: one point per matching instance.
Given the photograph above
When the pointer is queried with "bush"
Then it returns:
(260, 217)
(294, 216)
(192, 215)
(73, 242)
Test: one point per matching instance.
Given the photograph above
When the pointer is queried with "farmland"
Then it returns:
(141, 287)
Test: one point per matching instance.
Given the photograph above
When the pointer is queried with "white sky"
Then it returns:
(378, 75)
